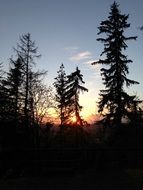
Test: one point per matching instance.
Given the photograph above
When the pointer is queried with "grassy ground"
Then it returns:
(91, 179)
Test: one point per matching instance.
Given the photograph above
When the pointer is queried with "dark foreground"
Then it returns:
(72, 169)
(116, 164)
(89, 179)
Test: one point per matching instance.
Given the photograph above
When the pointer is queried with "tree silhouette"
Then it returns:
(40, 97)
(2, 94)
(60, 86)
(114, 99)
(141, 28)
(13, 84)
(1, 71)
(74, 88)
(6, 104)
(27, 51)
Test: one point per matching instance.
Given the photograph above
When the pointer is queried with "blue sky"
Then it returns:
(65, 32)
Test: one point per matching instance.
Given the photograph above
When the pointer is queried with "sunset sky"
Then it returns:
(65, 31)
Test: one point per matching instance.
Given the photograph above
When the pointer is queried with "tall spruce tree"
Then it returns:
(114, 102)
(73, 89)
(60, 86)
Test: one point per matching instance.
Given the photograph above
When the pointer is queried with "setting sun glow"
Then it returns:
(73, 119)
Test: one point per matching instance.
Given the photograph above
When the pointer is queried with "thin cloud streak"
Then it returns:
(87, 59)
(81, 56)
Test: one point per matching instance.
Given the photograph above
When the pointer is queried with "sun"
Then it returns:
(73, 119)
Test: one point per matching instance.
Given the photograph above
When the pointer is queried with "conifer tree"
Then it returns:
(6, 104)
(74, 87)
(114, 102)
(27, 51)
(1, 90)
(10, 89)
(60, 86)
(1, 71)
(13, 84)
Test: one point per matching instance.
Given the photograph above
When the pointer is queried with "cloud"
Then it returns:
(81, 56)
(71, 48)
(87, 59)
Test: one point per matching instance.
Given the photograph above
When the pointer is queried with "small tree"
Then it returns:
(41, 98)
(74, 88)
(114, 102)
(40, 101)
(60, 86)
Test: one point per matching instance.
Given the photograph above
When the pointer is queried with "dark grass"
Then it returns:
(87, 179)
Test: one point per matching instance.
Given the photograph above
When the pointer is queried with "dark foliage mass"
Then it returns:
(32, 144)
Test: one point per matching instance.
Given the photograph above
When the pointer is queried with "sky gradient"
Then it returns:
(65, 31)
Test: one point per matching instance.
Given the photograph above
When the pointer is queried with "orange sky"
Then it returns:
(88, 113)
